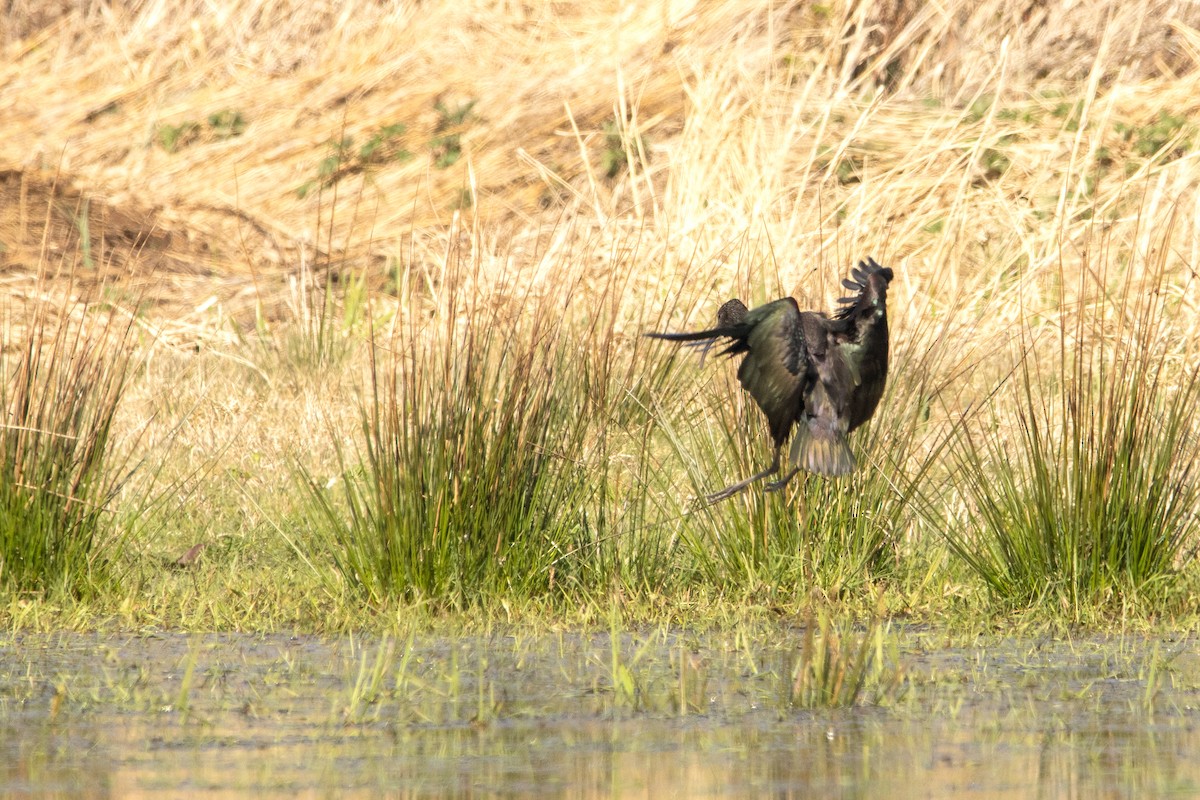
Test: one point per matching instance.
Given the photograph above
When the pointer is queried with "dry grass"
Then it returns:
(995, 154)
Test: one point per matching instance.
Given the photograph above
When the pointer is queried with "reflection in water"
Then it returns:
(87, 716)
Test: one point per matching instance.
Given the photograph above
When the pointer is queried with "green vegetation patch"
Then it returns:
(344, 157)
(1167, 135)
(217, 126)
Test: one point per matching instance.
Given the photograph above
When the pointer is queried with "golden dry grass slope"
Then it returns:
(937, 134)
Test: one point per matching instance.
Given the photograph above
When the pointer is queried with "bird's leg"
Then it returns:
(730, 491)
(775, 486)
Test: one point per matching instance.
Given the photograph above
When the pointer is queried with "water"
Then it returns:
(673, 715)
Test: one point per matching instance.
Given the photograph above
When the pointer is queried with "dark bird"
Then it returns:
(820, 374)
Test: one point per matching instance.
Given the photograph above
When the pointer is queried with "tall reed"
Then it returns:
(1083, 479)
(484, 467)
(62, 377)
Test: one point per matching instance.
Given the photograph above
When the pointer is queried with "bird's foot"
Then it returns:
(779, 485)
(731, 490)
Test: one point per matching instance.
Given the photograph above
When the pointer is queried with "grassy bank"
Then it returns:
(384, 358)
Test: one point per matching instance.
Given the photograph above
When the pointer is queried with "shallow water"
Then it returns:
(83, 715)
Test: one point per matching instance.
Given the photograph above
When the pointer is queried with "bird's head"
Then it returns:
(732, 312)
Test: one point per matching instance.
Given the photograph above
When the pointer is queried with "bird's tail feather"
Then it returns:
(824, 452)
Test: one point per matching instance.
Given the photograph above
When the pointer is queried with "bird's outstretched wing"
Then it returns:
(776, 369)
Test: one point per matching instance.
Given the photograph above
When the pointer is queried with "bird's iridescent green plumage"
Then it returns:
(817, 375)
